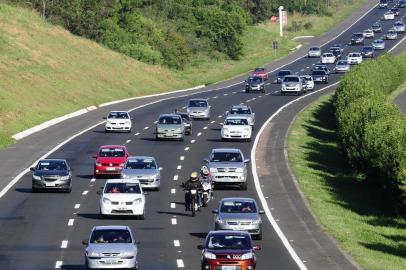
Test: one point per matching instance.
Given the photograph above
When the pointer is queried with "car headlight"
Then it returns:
(128, 122)
(221, 221)
(98, 164)
(64, 178)
(137, 201)
(256, 222)
(106, 201)
(246, 129)
(209, 255)
(36, 177)
(127, 255)
(225, 130)
(178, 130)
(124, 176)
(93, 254)
(247, 256)
(240, 170)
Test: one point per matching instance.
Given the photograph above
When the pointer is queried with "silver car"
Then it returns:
(52, 174)
(239, 214)
(314, 52)
(378, 44)
(228, 167)
(170, 126)
(243, 110)
(143, 169)
(111, 247)
(342, 66)
(292, 84)
(199, 108)
(391, 34)
(399, 27)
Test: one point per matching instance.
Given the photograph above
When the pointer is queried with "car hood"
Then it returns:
(226, 165)
(111, 159)
(198, 109)
(238, 216)
(166, 126)
(122, 196)
(111, 248)
(140, 172)
(44, 173)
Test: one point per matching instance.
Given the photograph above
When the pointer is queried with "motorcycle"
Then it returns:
(194, 201)
(207, 194)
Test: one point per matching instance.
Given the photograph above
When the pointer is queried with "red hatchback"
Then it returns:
(110, 160)
(228, 250)
(262, 72)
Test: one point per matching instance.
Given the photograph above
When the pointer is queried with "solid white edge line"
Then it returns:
(261, 196)
(58, 264)
(175, 178)
(85, 192)
(179, 263)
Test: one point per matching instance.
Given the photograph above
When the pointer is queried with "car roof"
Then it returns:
(111, 227)
(284, 70)
(112, 146)
(198, 99)
(292, 76)
(315, 48)
(140, 157)
(226, 150)
(135, 181)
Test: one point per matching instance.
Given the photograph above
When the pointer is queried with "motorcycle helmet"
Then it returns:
(193, 176)
(205, 171)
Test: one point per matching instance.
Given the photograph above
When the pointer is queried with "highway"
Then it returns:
(45, 230)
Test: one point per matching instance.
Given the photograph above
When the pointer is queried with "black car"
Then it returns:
(395, 11)
(383, 4)
(357, 38)
(338, 45)
(321, 67)
(282, 74)
(368, 51)
(377, 28)
(336, 51)
(255, 83)
(52, 174)
(319, 76)
(402, 4)
(187, 122)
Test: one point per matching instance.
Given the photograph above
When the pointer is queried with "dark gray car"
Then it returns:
(187, 121)
(255, 83)
(52, 174)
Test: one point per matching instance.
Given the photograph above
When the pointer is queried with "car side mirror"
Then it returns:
(221, 124)
(246, 160)
(94, 156)
(32, 169)
(85, 242)
(215, 211)
(160, 168)
(100, 192)
(261, 212)
(200, 247)
(206, 160)
(137, 242)
(257, 247)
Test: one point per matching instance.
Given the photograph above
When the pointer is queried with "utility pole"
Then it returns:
(280, 21)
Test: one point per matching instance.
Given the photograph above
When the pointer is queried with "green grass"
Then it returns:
(46, 72)
(368, 223)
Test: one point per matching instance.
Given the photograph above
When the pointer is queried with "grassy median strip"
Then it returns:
(368, 224)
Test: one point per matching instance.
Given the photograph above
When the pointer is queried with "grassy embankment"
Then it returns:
(46, 72)
(359, 216)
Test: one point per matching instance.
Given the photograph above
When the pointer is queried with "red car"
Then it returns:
(231, 250)
(262, 72)
(110, 160)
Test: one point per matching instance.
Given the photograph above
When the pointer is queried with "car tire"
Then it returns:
(34, 190)
(259, 236)
(158, 189)
(282, 94)
(141, 217)
(68, 190)
(247, 91)
(299, 93)
(243, 186)
(157, 138)
(107, 131)
(263, 90)
(248, 140)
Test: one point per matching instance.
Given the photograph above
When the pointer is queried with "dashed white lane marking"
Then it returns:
(127, 141)
(64, 244)
(242, 103)
(205, 127)
(268, 84)
(187, 148)
(313, 65)
(93, 180)
(259, 96)
(193, 141)
(77, 206)
(248, 100)
(297, 72)
(302, 69)
(277, 91)
(179, 167)
(235, 92)
(58, 264)
(173, 191)
(225, 94)
(215, 97)
(70, 222)
(85, 192)
(212, 122)
(180, 263)
(307, 67)
(146, 128)
(176, 243)
(174, 221)
(254, 98)
(173, 205)
(175, 178)
(184, 107)
(267, 94)
(136, 134)
(199, 134)
(220, 116)
(182, 157)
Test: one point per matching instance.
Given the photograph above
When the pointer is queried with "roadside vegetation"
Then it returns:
(347, 151)
(47, 72)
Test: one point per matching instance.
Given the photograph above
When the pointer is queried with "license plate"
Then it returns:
(111, 261)
(110, 169)
(122, 208)
(169, 134)
(50, 184)
(229, 267)
(239, 228)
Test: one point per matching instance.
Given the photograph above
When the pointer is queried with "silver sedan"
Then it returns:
(143, 169)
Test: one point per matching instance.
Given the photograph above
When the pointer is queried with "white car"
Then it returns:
(354, 58)
(314, 52)
(122, 197)
(399, 27)
(378, 44)
(391, 34)
(328, 58)
(118, 121)
(307, 82)
(389, 15)
(237, 128)
(368, 33)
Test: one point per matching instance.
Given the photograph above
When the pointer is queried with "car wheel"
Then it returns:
(68, 190)
(259, 236)
(157, 138)
(157, 189)
(107, 131)
(34, 190)
(223, 139)
(299, 93)
(243, 186)
(282, 94)
(249, 140)
(142, 217)
(263, 91)
(247, 91)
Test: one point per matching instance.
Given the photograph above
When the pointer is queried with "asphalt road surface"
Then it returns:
(45, 230)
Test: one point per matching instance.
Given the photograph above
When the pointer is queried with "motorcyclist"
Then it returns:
(192, 183)
(205, 176)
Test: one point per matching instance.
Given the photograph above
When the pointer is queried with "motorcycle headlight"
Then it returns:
(137, 201)
(106, 201)
(36, 177)
(64, 178)
(247, 256)
(209, 255)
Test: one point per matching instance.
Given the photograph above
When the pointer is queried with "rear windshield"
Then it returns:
(184, 116)
(197, 103)
(139, 164)
(227, 241)
(112, 152)
(238, 207)
(46, 165)
(132, 188)
(357, 35)
(315, 49)
(342, 62)
(226, 157)
(170, 120)
(319, 72)
(110, 236)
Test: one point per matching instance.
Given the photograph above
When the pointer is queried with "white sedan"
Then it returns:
(389, 15)
(118, 121)
(237, 128)
(122, 197)
(354, 58)
(328, 58)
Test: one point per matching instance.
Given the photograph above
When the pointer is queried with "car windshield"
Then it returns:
(255, 80)
(306, 78)
(112, 152)
(52, 165)
(226, 241)
(366, 49)
(376, 25)
(118, 115)
(378, 41)
(342, 62)
(226, 157)
(354, 55)
(240, 111)
(170, 120)
(399, 24)
(314, 49)
(318, 72)
(391, 32)
(141, 163)
(110, 237)
(319, 67)
(197, 103)
(259, 69)
(238, 207)
(357, 35)
(185, 116)
(236, 122)
(291, 79)
(132, 188)
(284, 73)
